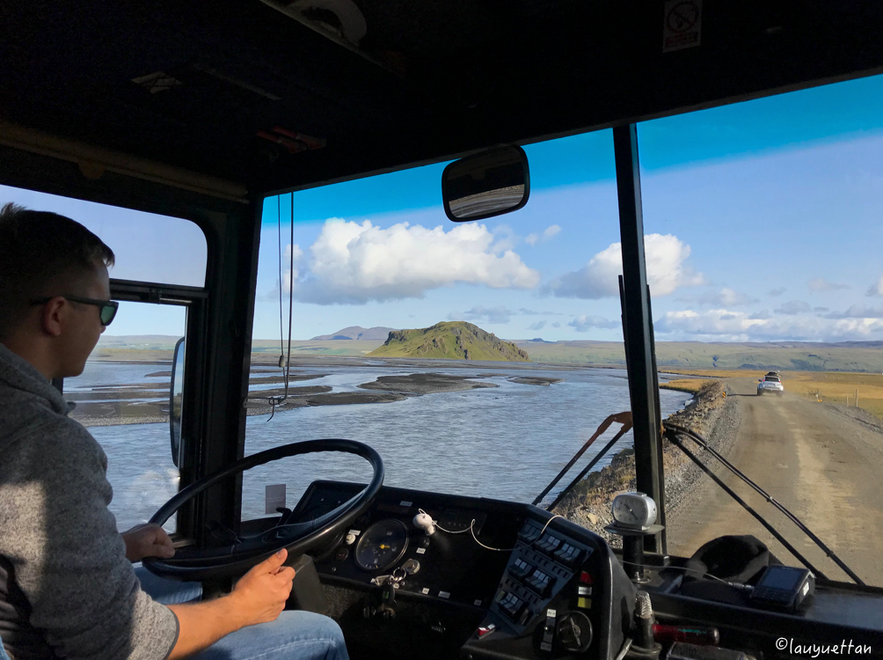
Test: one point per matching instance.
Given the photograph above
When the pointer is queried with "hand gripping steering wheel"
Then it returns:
(236, 558)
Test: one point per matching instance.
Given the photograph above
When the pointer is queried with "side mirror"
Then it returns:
(176, 400)
(486, 184)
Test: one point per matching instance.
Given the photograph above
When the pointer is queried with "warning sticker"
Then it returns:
(682, 27)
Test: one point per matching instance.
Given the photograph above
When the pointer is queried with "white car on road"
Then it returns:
(770, 383)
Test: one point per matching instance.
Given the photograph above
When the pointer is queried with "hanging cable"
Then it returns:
(284, 356)
(281, 285)
(290, 293)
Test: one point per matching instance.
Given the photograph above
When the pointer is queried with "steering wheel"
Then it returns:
(195, 564)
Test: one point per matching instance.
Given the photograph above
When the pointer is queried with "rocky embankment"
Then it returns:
(710, 414)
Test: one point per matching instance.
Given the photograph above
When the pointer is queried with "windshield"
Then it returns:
(761, 235)
(493, 344)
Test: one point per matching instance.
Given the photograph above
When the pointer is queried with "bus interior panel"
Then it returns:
(209, 111)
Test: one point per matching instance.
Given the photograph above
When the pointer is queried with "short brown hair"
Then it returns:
(39, 250)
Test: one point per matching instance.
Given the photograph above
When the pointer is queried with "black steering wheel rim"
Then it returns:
(297, 538)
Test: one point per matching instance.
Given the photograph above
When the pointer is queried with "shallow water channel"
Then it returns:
(505, 442)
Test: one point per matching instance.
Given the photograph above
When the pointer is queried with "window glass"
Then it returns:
(378, 255)
(767, 217)
(122, 398)
(148, 247)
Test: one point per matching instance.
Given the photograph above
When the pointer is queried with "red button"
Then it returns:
(586, 578)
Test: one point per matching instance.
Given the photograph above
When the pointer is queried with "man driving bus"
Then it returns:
(67, 585)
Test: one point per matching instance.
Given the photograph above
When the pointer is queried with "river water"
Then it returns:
(505, 442)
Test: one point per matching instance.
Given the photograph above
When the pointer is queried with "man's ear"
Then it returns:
(54, 315)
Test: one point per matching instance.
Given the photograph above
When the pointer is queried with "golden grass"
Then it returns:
(837, 387)
(691, 385)
(828, 386)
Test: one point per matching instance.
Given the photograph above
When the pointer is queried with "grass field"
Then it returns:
(828, 386)
(691, 385)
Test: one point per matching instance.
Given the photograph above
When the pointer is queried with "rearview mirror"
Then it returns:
(486, 184)
(176, 400)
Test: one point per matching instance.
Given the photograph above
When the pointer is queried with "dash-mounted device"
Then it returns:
(783, 587)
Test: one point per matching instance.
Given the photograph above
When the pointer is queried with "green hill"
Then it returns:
(455, 340)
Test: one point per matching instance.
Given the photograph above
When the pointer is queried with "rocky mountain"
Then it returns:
(456, 340)
(358, 332)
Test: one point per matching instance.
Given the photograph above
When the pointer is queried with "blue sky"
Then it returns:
(762, 222)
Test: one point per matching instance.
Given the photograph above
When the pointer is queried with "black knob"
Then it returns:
(574, 632)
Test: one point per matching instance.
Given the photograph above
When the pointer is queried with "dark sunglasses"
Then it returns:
(108, 307)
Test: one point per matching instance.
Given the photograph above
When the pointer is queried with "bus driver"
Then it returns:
(67, 585)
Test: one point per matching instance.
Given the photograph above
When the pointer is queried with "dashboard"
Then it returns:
(492, 579)
(503, 580)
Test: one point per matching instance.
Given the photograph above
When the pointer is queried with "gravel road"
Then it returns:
(824, 463)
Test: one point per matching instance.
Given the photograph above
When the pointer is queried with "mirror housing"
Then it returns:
(176, 401)
(486, 184)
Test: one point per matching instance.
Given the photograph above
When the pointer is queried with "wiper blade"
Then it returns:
(624, 418)
(674, 429)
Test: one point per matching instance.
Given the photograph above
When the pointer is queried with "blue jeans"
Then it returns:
(296, 635)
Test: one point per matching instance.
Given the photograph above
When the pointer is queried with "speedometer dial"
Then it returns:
(382, 545)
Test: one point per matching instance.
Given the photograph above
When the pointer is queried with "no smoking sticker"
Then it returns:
(682, 26)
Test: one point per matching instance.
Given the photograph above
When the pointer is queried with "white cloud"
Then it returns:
(776, 292)
(498, 314)
(821, 284)
(583, 323)
(858, 312)
(876, 289)
(290, 275)
(556, 324)
(726, 325)
(293, 250)
(666, 271)
(539, 325)
(793, 307)
(763, 314)
(353, 263)
(548, 234)
(531, 312)
(724, 298)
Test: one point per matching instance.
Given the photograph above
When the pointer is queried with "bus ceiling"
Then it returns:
(273, 99)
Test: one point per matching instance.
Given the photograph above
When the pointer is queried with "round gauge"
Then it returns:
(381, 545)
(635, 510)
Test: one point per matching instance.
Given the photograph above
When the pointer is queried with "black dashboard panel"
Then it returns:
(452, 567)
(517, 572)
(506, 580)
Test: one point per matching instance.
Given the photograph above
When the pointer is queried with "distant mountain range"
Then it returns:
(856, 356)
(455, 340)
(355, 332)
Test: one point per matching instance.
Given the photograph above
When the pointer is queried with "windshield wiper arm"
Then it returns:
(674, 429)
(624, 418)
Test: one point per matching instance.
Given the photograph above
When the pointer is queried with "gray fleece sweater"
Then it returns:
(66, 587)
